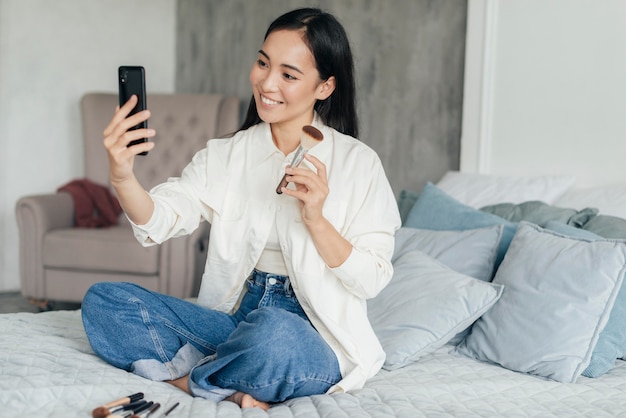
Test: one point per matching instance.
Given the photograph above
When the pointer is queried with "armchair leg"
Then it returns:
(43, 304)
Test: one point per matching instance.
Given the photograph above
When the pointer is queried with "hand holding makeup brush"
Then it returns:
(310, 137)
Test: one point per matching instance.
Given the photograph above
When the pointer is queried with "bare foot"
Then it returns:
(181, 383)
(246, 401)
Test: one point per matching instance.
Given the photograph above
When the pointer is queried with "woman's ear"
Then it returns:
(326, 88)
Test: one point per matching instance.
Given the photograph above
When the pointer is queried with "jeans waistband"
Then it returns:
(263, 279)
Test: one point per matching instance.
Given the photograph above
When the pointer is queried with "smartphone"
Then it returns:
(132, 80)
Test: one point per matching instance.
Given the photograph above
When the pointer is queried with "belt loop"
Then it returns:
(287, 286)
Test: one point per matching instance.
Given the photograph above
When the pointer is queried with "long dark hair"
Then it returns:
(328, 42)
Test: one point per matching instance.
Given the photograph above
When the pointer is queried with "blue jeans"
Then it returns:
(267, 349)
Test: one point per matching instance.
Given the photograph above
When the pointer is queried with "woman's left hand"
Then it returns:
(311, 189)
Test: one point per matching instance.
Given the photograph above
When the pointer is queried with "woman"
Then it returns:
(281, 311)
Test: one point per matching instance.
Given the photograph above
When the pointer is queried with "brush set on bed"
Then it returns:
(132, 406)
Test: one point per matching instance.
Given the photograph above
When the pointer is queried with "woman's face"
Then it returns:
(285, 81)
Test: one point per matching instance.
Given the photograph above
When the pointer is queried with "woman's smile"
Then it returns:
(268, 101)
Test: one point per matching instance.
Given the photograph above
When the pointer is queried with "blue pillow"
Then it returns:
(560, 292)
(406, 200)
(612, 341)
(436, 210)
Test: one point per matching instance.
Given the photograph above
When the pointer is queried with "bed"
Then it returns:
(506, 301)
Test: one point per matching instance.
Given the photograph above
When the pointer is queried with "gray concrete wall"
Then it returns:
(409, 57)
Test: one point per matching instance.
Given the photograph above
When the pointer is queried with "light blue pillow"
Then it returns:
(436, 210)
(559, 295)
(471, 252)
(424, 306)
(612, 342)
(406, 200)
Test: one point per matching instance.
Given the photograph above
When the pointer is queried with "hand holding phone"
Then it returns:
(132, 80)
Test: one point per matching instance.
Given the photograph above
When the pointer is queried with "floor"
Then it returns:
(14, 302)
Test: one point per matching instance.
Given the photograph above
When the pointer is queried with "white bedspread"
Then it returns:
(47, 369)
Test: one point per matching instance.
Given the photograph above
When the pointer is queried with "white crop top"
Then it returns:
(272, 260)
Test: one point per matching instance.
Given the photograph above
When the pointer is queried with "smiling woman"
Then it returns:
(306, 258)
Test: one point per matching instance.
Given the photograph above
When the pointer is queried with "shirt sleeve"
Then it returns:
(373, 220)
(178, 207)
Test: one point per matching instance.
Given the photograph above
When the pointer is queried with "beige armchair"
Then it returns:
(59, 262)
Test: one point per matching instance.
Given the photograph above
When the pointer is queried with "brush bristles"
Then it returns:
(100, 412)
(311, 136)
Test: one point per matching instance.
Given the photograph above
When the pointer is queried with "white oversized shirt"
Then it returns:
(232, 182)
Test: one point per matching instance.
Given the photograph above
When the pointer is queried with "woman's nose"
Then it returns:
(270, 82)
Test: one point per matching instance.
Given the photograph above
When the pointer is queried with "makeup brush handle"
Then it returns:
(283, 183)
(297, 159)
(126, 400)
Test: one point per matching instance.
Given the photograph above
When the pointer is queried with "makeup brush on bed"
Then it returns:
(104, 410)
(309, 138)
(133, 412)
(148, 412)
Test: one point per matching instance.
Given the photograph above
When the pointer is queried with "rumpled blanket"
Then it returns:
(94, 204)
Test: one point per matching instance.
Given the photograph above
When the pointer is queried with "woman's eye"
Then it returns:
(261, 63)
(289, 76)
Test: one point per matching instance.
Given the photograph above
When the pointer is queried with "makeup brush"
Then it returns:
(148, 412)
(170, 410)
(126, 414)
(121, 409)
(104, 410)
(309, 138)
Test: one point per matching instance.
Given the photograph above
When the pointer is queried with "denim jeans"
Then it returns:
(268, 348)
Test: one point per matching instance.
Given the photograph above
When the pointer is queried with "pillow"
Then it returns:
(610, 199)
(559, 294)
(471, 252)
(571, 231)
(424, 305)
(406, 200)
(607, 226)
(612, 341)
(436, 210)
(540, 213)
(478, 190)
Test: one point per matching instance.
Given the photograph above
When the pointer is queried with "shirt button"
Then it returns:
(271, 281)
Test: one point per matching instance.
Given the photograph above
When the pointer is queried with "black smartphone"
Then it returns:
(132, 80)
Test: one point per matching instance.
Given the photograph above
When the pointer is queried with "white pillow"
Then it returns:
(559, 294)
(424, 306)
(609, 200)
(479, 190)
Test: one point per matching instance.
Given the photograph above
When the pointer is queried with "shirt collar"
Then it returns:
(267, 148)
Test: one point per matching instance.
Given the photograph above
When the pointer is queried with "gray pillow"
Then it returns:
(607, 226)
(424, 306)
(540, 213)
(472, 252)
(559, 294)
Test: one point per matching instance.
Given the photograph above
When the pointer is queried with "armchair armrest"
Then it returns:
(36, 215)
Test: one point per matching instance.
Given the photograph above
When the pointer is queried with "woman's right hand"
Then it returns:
(117, 137)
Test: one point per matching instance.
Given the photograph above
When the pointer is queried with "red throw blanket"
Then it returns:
(95, 205)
